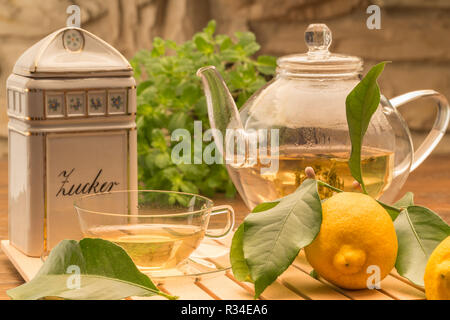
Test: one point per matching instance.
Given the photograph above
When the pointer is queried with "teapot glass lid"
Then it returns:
(319, 61)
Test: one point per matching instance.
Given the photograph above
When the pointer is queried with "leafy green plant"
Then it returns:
(170, 96)
(106, 273)
(266, 243)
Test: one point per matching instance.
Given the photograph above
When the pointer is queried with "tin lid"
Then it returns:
(72, 52)
(319, 61)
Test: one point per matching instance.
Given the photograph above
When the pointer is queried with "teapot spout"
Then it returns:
(222, 111)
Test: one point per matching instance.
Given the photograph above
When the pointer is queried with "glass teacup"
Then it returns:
(158, 229)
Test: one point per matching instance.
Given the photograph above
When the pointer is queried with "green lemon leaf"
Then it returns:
(361, 104)
(50, 287)
(406, 201)
(392, 210)
(273, 238)
(105, 272)
(265, 206)
(238, 263)
(419, 231)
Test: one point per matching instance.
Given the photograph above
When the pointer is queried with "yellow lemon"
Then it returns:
(437, 273)
(356, 241)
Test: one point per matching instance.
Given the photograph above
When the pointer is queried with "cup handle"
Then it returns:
(230, 220)
(439, 126)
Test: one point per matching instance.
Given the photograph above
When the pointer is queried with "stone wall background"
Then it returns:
(415, 34)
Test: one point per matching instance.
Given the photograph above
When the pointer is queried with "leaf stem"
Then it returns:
(324, 184)
(168, 296)
(363, 186)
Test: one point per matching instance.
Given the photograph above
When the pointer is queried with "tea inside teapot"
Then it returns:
(329, 166)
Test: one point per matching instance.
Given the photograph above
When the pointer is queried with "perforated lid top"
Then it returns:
(319, 60)
(72, 52)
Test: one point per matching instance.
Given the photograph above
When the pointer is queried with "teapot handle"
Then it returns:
(439, 126)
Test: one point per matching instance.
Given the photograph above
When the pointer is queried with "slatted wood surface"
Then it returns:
(430, 183)
(294, 284)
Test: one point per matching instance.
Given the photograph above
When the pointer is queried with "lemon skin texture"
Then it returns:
(356, 233)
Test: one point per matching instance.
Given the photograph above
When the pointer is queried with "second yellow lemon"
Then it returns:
(437, 273)
(356, 239)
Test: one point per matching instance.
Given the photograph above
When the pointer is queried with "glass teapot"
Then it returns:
(303, 111)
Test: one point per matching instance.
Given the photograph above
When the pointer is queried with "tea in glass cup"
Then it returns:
(158, 229)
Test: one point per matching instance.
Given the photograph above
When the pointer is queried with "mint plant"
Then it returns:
(170, 96)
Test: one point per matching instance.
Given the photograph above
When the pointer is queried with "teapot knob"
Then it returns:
(318, 39)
